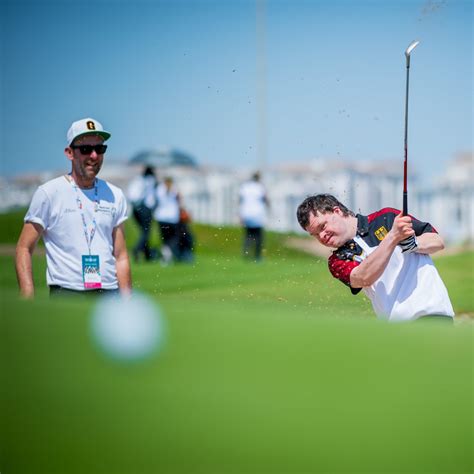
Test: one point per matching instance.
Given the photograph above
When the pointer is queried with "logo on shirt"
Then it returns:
(381, 232)
(107, 210)
(351, 251)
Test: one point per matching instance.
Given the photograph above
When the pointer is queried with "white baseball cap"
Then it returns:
(87, 126)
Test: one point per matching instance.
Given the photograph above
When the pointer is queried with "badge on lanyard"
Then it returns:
(90, 263)
(91, 272)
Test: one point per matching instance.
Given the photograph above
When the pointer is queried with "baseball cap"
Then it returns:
(87, 126)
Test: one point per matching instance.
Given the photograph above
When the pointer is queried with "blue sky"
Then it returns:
(330, 80)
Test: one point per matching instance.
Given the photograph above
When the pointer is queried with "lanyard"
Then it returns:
(93, 227)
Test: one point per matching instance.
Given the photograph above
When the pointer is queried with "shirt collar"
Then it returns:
(362, 225)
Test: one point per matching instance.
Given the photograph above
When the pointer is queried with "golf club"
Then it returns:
(408, 51)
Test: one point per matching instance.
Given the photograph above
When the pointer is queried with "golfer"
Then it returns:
(80, 219)
(385, 254)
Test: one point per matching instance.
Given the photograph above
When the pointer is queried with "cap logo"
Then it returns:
(90, 125)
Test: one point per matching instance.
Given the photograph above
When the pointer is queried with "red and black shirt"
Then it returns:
(372, 229)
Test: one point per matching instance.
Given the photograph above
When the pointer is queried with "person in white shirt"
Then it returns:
(167, 214)
(253, 204)
(142, 195)
(385, 254)
(80, 219)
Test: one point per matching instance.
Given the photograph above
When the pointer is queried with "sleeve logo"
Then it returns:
(90, 125)
(381, 232)
(350, 251)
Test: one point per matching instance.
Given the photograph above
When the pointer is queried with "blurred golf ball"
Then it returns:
(128, 329)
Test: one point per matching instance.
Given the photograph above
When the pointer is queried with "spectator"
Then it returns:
(253, 204)
(167, 215)
(142, 195)
(185, 237)
(80, 219)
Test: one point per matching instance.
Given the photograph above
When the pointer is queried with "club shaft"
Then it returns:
(405, 163)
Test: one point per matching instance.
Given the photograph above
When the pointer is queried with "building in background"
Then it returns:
(450, 201)
(211, 193)
(163, 158)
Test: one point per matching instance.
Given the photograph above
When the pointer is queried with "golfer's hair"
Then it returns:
(321, 203)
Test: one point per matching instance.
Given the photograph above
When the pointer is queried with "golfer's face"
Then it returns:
(87, 165)
(330, 228)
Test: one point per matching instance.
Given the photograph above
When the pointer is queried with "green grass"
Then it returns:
(10, 225)
(270, 367)
(458, 273)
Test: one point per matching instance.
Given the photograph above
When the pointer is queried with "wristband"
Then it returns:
(409, 245)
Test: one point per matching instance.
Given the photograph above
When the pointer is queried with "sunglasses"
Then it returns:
(87, 149)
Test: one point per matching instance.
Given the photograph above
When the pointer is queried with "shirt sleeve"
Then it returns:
(422, 227)
(121, 215)
(39, 210)
(341, 269)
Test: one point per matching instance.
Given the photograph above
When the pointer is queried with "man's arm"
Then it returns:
(25, 247)
(370, 270)
(122, 262)
(429, 243)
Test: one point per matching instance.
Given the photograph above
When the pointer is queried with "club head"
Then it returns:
(411, 47)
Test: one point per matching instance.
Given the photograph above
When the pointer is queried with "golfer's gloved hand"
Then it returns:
(409, 245)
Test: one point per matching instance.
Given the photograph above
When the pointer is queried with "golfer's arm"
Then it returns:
(122, 262)
(25, 247)
(429, 243)
(370, 270)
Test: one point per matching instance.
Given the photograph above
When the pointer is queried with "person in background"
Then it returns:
(167, 215)
(253, 204)
(385, 254)
(142, 195)
(186, 239)
(80, 219)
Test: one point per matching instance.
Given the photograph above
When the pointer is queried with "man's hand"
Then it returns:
(402, 228)
(404, 234)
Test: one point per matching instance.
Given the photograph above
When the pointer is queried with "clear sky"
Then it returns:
(235, 82)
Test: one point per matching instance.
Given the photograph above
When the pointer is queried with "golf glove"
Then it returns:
(409, 245)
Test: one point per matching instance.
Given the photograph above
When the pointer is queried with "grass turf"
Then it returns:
(270, 367)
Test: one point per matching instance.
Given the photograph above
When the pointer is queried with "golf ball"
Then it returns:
(128, 329)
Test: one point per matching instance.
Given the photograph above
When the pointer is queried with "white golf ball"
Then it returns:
(128, 329)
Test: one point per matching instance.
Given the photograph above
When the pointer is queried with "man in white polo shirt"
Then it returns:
(385, 254)
(80, 219)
